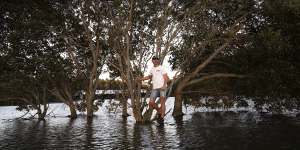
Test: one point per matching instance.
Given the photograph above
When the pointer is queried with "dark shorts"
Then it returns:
(155, 93)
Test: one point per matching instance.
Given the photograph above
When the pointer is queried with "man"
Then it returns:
(159, 78)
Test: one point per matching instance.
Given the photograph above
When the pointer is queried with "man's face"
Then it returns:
(155, 62)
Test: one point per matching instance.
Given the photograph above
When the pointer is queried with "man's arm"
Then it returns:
(166, 79)
(145, 78)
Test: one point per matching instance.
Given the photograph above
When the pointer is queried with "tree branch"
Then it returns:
(217, 75)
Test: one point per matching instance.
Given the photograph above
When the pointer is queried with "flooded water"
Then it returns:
(201, 130)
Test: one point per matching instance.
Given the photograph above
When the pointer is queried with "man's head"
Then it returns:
(155, 61)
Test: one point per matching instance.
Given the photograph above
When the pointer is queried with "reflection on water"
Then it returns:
(210, 130)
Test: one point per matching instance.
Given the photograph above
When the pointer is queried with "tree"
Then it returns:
(87, 49)
(138, 31)
(24, 51)
(271, 55)
(207, 33)
(32, 53)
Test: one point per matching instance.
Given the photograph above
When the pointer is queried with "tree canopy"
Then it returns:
(61, 47)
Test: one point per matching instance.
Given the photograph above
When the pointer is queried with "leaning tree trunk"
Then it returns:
(186, 79)
(177, 112)
(64, 95)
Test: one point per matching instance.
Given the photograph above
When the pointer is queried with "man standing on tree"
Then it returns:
(159, 77)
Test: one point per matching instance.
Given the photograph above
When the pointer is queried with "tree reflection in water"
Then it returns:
(206, 130)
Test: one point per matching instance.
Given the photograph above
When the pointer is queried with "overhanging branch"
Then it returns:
(217, 75)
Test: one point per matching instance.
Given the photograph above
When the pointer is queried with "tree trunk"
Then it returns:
(89, 105)
(73, 112)
(40, 116)
(148, 114)
(42, 113)
(178, 104)
(124, 109)
(137, 114)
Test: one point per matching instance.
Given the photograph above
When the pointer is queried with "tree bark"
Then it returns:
(233, 29)
(124, 107)
(137, 113)
(73, 113)
(64, 95)
(89, 105)
(177, 104)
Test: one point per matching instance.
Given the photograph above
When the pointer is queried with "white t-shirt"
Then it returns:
(157, 76)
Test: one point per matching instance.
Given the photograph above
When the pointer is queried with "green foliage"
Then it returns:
(266, 50)
(271, 57)
(34, 51)
(206, 30)
(31, 48)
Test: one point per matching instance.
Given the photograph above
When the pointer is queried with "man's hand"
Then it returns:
(140, 79)
(164, 87)
(143, 78)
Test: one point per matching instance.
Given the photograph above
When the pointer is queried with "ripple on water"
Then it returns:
(205, 130)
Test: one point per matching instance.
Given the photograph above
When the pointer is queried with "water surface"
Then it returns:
(200, 130)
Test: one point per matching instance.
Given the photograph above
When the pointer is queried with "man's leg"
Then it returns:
(153, 105)
(153, 96)
(163, 106)
(162, 103)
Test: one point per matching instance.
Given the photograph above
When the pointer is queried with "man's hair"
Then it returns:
(155, 58)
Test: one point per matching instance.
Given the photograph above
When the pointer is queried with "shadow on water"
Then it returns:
(64, 135)
(149, 136)
(89, 132)
(243, 130)
(25, 135)
(210, 130)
